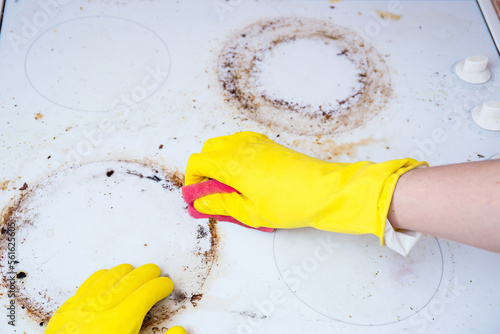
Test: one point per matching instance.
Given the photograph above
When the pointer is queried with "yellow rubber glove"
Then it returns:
(113, 301)
(281, 188)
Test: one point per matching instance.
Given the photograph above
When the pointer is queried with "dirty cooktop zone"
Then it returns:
(102, 103)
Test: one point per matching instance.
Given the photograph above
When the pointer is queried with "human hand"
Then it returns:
(281, 188)
(113, 301)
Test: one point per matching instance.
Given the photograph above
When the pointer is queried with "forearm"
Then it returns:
(458, 202)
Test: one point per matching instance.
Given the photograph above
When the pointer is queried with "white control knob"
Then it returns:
(487, 115)
(474, 70)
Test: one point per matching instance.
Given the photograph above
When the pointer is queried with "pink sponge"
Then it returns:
(194, 191)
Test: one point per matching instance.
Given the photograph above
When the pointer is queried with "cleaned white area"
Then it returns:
(95, 63)
(292, 70)
(412, 281)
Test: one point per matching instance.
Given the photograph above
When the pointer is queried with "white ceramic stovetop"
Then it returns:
(102, 102)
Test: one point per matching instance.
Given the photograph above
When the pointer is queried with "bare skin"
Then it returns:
(459, 202)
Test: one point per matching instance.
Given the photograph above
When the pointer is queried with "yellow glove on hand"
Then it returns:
(282, 188)
(113, 301)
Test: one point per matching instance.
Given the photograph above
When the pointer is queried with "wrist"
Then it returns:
(401, 200)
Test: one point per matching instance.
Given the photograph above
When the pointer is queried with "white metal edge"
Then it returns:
(1, 10)
(492, 20)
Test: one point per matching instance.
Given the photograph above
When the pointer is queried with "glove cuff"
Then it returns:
(385, 198)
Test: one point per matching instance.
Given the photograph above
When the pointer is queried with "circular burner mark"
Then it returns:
(352, 279)
(83, 219)
(242, 66)
(98, 63)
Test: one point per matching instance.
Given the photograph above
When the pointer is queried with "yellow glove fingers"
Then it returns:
(131, 292)
(69, 304)
(221, 158)
(176, 330)
(214, 144)
(231, 204)
(200, 168)
(106, 282)
(126, 286)
(84, 287)
(142, 299)
(233, 142)
(90, 281)
(213, 204)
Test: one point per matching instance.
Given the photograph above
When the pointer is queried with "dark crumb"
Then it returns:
(3, 230)
(252, 315)
(24, 187)
(201, 232)
(332, 7)
(49, 157)
(41, 324)
(154, 178)
(160, 147)
(21, 275)
(179, 296)
(195, 299)
(479, 155)
(110, 172)
(135, 173)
